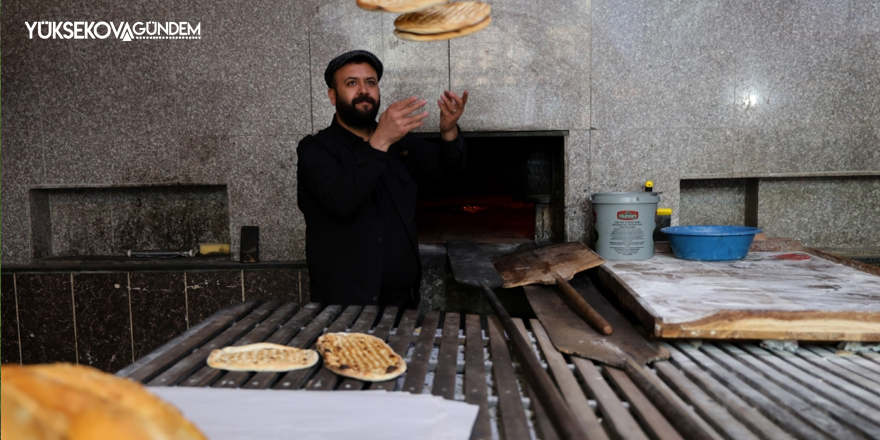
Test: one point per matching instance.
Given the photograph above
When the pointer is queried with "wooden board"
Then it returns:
(537, 265)
(571, 335)
(760, 297)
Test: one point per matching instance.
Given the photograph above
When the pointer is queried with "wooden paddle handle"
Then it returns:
(585, 310)
(560, 415)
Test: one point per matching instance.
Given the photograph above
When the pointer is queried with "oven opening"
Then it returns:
(510, 192)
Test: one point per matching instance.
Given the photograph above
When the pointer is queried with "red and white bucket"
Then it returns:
(625, 224)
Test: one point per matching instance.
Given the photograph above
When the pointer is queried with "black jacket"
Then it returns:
(338, 175)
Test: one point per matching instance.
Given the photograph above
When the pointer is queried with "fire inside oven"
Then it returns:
(510, 191)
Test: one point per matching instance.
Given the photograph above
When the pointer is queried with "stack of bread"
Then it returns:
(433, 20)
(65, 401)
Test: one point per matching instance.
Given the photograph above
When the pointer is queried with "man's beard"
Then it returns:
(356, 118)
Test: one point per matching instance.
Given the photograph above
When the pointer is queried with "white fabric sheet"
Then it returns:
(238, 414)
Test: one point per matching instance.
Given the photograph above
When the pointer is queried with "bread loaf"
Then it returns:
(65, 401)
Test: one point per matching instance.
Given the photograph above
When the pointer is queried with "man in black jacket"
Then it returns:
(356, 187)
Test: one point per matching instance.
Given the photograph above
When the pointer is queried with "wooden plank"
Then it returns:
(568, 385)
(537, 265)
(234, 379)
(543, 426)
(856, 364)
(715, 414)
(304, 339)
(571, 335)
(760, 297)
(475, 391)
(207, 375)
(195, 360)
(653, 422)
(167, 355)
(812, 407)
(325, 379)
(447, 359)
(737, 407)
(399, 342)
(511, 413)
(833, 366)
(294, 380)
(381, 332)
(774, 410)
(811, 383)
(417, 368)
(615, 414)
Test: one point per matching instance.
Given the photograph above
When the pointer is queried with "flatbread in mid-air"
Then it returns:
(410, 36)
(360, 356)
(443, 18)
(263, 356)
(398, 5)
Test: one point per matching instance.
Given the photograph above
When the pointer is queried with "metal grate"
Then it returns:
(738, 391)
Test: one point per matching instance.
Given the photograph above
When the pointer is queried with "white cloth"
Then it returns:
(238, 414)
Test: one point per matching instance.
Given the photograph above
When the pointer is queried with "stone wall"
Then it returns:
(645, 90)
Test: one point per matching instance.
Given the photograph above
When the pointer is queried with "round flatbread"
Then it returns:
(263, 356)
(444, 35)
(398, 5)
(443, 18)
(360, 356)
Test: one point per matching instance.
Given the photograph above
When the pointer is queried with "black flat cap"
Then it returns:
(355, 55)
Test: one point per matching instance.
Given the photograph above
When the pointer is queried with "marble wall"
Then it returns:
(666, 91)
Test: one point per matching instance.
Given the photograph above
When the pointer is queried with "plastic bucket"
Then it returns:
(624, 224)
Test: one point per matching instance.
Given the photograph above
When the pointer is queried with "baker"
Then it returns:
(357, 183)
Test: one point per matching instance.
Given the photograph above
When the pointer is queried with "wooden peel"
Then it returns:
(554, 264)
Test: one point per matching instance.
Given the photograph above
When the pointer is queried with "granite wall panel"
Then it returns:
(830, 212)
(103, 320)
(10, 349)
(266, 166)
(158, 309)
(15, 228)
(713, 202)
(209, 291)
(529, 70)
(45, 304)
(249, 73)
(272, 284)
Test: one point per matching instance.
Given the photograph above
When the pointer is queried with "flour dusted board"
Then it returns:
(802, 297)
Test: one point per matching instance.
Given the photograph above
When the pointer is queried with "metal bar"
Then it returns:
(475, 386)
(511, 412)
(417, 368)
(653, 421)
(568, 385)
(447, 359)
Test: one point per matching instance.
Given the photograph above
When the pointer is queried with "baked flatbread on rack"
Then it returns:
(444, 18)
(398, 5)
(360, 356)
(263, 356)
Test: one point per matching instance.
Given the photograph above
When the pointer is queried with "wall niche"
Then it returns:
(109, 221)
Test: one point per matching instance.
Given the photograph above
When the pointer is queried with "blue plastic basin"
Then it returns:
(710, 243)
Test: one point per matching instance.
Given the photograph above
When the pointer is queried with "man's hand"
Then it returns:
(396, 121)
(451, 108)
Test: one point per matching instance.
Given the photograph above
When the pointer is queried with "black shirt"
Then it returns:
(359, 206)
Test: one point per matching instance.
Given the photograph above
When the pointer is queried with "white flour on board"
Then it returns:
(684, 291)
